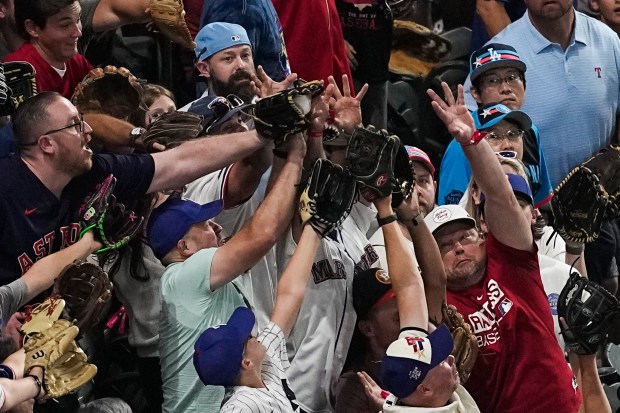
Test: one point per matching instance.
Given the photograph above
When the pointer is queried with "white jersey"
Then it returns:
(554, 275)
(260, 282)
(319, 342)
(551, 244)
(272, 398)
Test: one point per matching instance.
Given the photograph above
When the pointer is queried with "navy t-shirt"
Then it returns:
(35, 223)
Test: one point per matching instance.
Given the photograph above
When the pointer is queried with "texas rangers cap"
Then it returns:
(447, 214)
(216, 110)
(493, 113)
(520, 187)
(371, 288)
(171, 220)
(409, 359)
(491, 56)
(418, 155)
(215, 37)
(218, 352)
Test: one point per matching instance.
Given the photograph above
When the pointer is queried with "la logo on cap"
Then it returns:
(441, 215)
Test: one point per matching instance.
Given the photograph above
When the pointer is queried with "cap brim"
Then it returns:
(209, 210)
(517, 64)
(522, 119)
(442, 342)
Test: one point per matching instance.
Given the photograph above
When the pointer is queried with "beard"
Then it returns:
(238, 84)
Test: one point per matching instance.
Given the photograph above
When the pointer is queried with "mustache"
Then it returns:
(240, 75)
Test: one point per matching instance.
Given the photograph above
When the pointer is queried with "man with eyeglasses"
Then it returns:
(498, 77)
(47, 180)
(495, 283)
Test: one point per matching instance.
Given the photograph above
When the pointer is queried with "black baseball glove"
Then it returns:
(328, 196)
(372, 154)
(17, 83)
(588, 311)
(404, 177)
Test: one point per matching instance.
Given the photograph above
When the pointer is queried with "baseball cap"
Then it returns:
(218, 352)
(418, 155)
(520, 187)
(170, 221)
(215, 37)
(491, 56)
(408, 360)
(493, 113)
(217, 110)
(371, 288)
(447, 214)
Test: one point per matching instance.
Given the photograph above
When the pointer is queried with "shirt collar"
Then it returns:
(539, 42)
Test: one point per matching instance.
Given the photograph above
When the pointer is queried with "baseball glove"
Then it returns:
(86, 289)
(589, 194)
(328, 197)
(113, 226)
(17, 83)
(46, 347)
(465, 344)
(404, 178)
(588, 311)
(111, 90)
(40, 317)
(169, 17)
(70, 372)
(372, 154)
(172, 129)
(284, 113)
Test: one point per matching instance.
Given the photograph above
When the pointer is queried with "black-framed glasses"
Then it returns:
(222, 105)
(79, 126)
(511, 135)
(494, 81)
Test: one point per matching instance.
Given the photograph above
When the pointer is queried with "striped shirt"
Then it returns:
(272, 398)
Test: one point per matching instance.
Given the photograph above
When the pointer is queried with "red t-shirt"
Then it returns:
(520, 367)
(314, 42)
(47, 78)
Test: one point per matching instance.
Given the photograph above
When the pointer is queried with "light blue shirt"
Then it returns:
(189, 307)
(572, 96)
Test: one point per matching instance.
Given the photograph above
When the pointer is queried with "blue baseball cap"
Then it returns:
(215, 37)
(520, 187)
(216, 110)
(494, 55)
(409, 359)
(171, 220)
(493, 113)
(218, 352)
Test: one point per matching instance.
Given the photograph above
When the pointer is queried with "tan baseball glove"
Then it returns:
(169, 17)
(465, 343)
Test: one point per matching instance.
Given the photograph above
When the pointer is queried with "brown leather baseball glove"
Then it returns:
(465, 343)
(169, 17)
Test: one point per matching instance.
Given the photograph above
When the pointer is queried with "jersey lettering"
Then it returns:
(485, 322)
(69, 234)
(366, 261)
(322, 271)
(25, 263)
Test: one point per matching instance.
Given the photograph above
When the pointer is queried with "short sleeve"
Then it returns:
(454, 175)
(195, 275)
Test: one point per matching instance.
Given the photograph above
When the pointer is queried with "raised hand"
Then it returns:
(372, 390)
(319, 113)
(265, 86)
(454, 114)
(346, 106)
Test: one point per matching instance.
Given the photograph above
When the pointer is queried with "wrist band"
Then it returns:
(475, 138)
(386, 220)
(417, 219)
(316, 134)
(38, 383)
(280, 153)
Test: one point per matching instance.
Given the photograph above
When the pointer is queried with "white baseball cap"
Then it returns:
(447, 214)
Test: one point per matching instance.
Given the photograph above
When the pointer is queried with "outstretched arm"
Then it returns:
(428, 256)
(21, 390)
(112, 14)
(191, 160)
(493, 15)
(43, 273)
(501, 205)
(269, 221)
(292, 285)
(406, 280)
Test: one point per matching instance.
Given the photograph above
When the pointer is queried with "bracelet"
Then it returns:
(37, 382)
(280, 153)
(417, 219)
(387, 220)
(475, 138)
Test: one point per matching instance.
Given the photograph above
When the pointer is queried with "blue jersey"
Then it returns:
(35, 223)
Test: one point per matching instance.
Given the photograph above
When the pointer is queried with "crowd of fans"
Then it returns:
(232, 303)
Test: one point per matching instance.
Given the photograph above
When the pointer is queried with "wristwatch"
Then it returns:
(135, 134)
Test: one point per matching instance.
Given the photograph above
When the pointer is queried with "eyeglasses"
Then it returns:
(222, 105)
(79, 127)
(496, 81)
(511, 135)
(464, 238)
